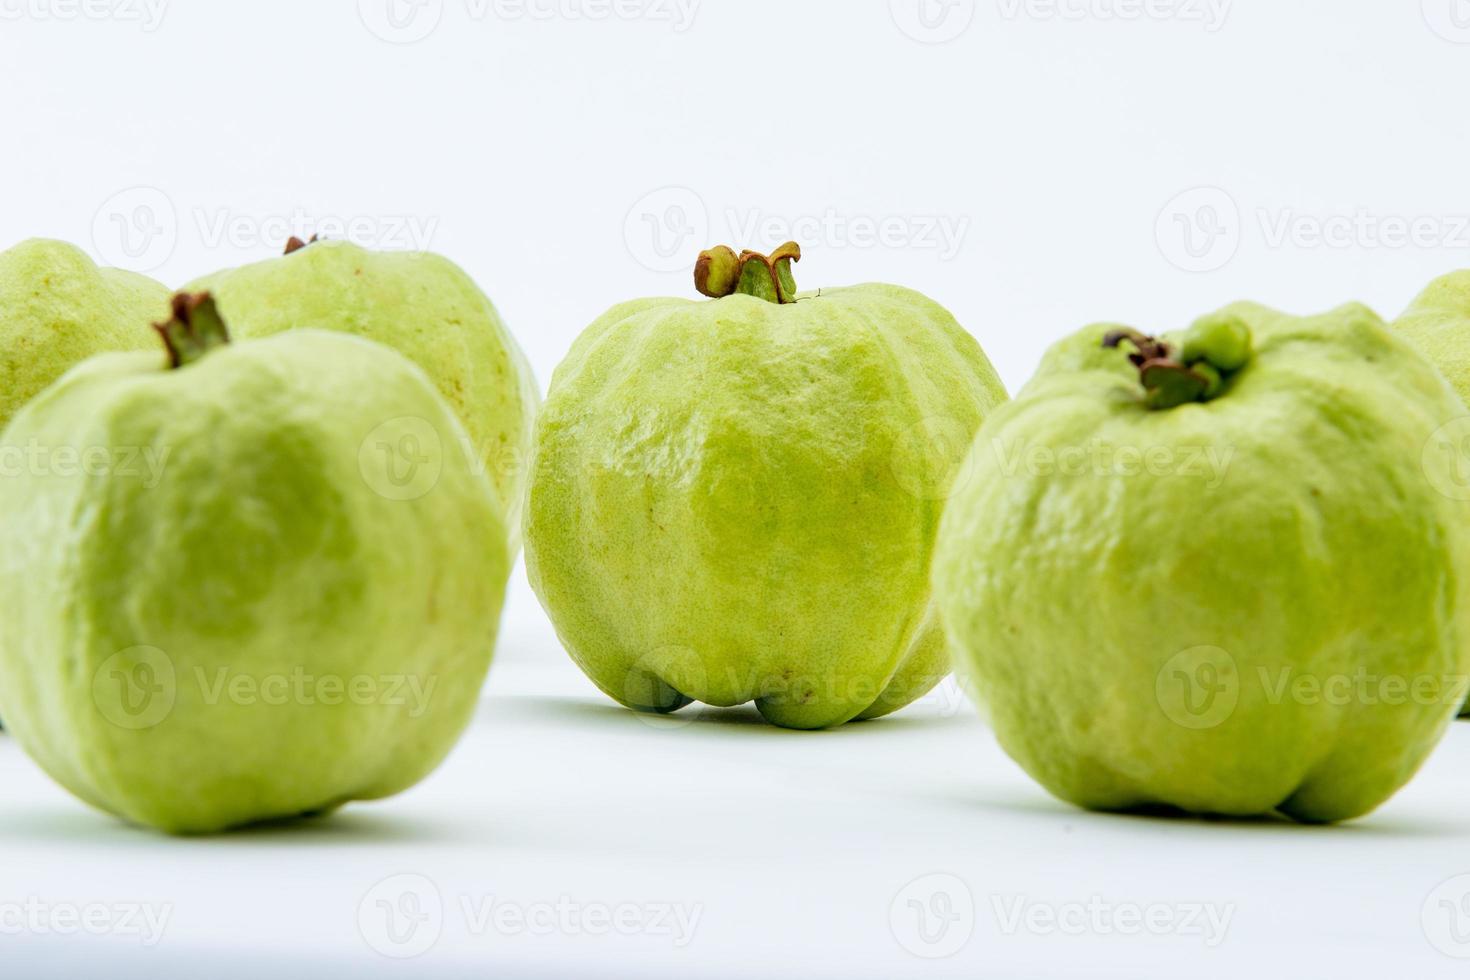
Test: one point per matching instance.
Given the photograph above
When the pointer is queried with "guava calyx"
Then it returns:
(195, 329)
(720, 273)
(1213, 348)
(295, 244)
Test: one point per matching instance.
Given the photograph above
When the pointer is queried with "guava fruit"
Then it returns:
(418, 303)
(1438, 323)
(735, 499)
(272, 588)
(1224, 585)
(58, 308)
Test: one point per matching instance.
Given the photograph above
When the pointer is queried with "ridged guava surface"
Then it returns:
(735, 500)
(1252, 603)
(274, 586)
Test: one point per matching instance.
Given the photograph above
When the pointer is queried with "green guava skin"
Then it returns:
(1324, 549)
(422, 305)
(1438, 323)
(57, 308)
(261, 550)
(716, 510)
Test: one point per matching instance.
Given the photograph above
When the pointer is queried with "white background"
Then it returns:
(1032, 165)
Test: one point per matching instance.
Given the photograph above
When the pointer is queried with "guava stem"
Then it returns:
(1167, 381)
(195, 329)
(720, 272)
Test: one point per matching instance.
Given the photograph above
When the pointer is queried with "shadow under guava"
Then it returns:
(603, 712)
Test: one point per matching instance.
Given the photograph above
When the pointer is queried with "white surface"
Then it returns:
(791, 854)
(1066, 151)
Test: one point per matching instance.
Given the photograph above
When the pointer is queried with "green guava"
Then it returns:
(57, 308)
(422, 305)
(1438, 323)
(271, 586)
(736, 499)
(1226, 585)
